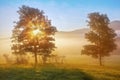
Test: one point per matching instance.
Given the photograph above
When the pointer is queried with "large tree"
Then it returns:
(100, 36)
(33, 33)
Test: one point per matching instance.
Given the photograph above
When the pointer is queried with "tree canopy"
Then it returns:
(101, 36)
(33, 33)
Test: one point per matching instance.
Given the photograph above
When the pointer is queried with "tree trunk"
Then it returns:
(36, 61)
(100, 59)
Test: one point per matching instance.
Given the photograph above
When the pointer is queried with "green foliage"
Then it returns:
(102, 37)
(50, 72)
(43, 74)
(90, 50)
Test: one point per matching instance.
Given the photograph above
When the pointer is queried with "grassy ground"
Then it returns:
(102, 72)
(66, 72)
(42, 73)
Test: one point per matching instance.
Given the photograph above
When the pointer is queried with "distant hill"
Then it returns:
(77, 31)
(115, 25)
(72, 34)
(80, 32)
(74, 40)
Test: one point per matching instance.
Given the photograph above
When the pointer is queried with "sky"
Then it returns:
(66, 15)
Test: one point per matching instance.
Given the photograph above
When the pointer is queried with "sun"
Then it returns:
(35, 32)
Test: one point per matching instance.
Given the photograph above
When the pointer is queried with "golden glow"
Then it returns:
(21, 29)
(35, 32)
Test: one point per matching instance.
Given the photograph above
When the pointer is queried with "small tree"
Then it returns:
(101, 37)
(33, 33)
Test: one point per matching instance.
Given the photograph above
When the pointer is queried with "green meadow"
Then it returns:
(57, 72)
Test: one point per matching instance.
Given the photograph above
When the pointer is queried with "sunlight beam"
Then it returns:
(35, 32)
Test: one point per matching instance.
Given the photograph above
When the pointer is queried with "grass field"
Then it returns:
(102, 72)
(65, 72)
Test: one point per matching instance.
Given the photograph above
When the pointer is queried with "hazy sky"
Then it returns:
(65, 14)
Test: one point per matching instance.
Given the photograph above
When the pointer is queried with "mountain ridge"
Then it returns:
(115, 25)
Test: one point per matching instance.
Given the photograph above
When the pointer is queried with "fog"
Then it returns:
(68, 45)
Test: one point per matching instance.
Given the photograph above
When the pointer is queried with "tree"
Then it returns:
(33, 33)
(102, 37)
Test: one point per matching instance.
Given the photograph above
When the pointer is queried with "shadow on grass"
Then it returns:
(43, 73)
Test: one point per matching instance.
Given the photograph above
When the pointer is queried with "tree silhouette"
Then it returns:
(100, 35)
(33, 33)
